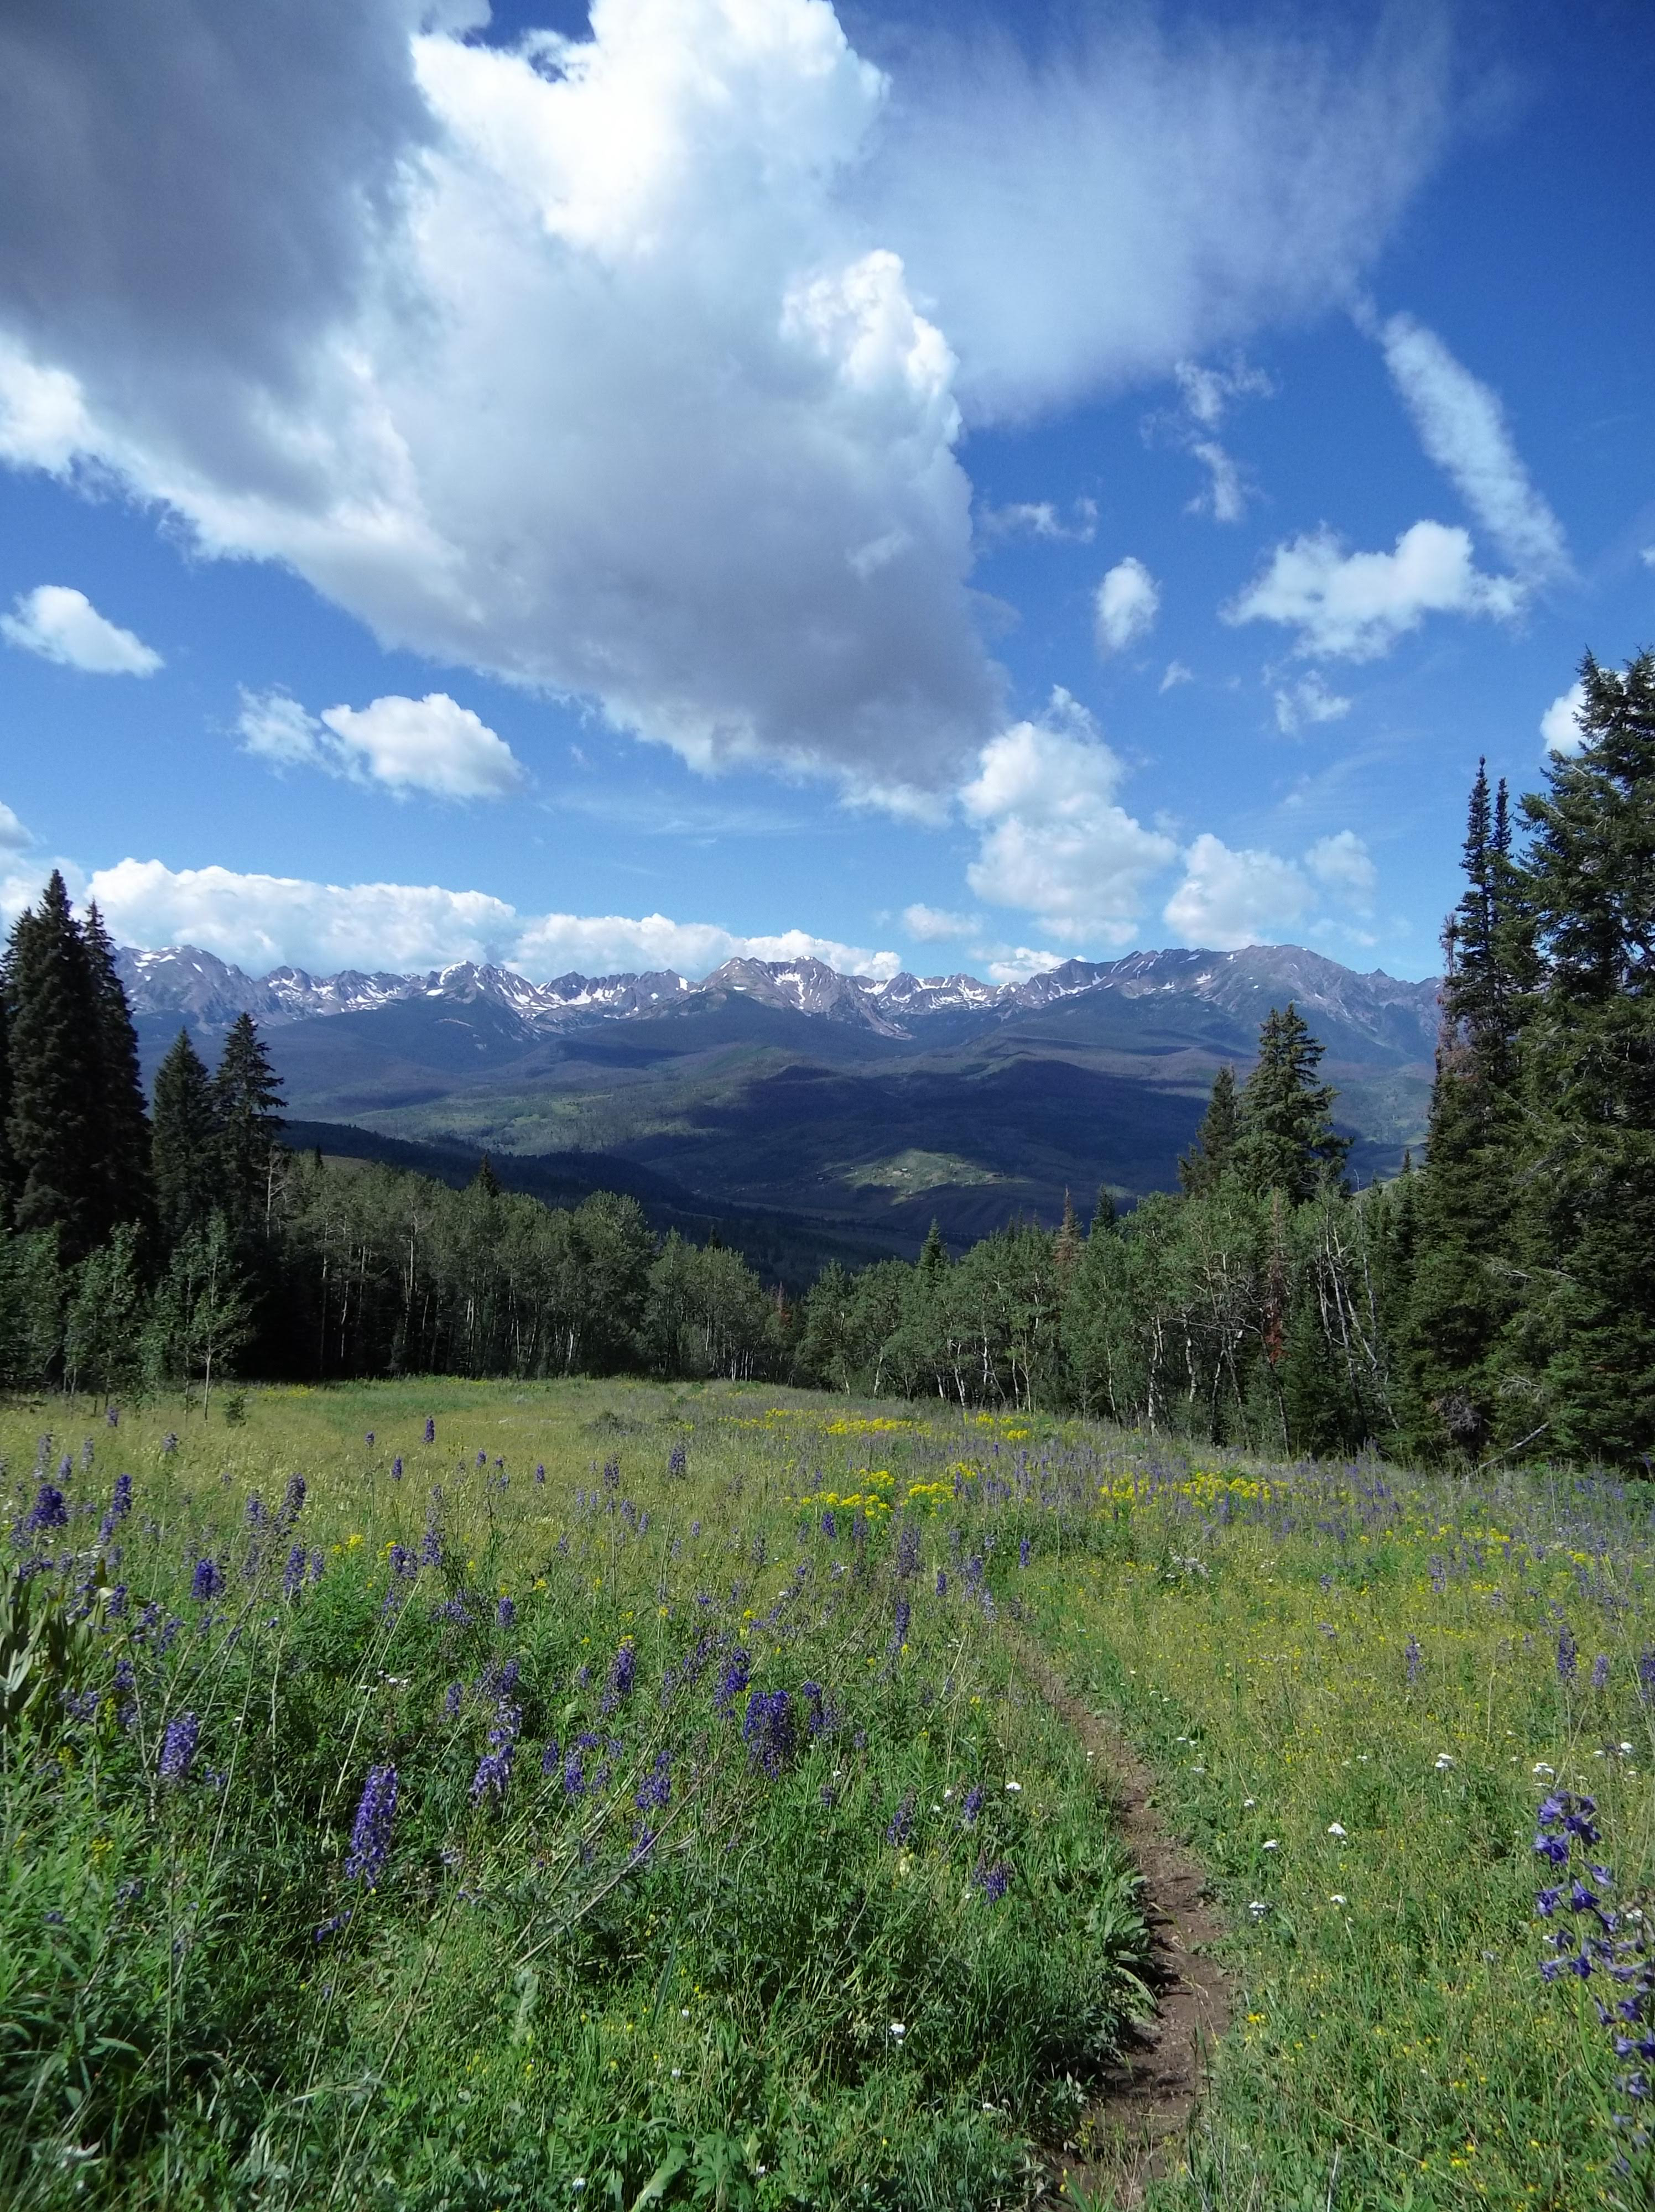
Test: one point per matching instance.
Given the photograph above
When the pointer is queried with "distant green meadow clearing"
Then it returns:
(442, 1794)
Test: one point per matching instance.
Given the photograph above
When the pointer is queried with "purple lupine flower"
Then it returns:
(1568, 1654)
(493, 1769)
(903, 1616)
(901, 1824)
(318, 1564)
(168, 1444)
(168, 1635)
(120, 1504)
(506, 1612)
(810, 1696)
(49, 1511)
(369, 1439)
(208, 1581)
(370, 1835)
(431, 1550)
(992, 1880)
(293, 1575)
(112, 1417)
(481, 1458)
(453, 1698)
(550, 1756)
(768, 1730)
(1647, 1676)
(430, 1429)
(732, 1682)
(677, 1459)
(255, 1510)
(622, 1669)
(178, 1747)
(942, 1583)
(972, 1806)
(292, 1503)
(574, 1776)
(907, 1550)
(655, 1790)
(115, 1606)
(1415, 1659)
(85, 1452)
(401, 1561)
(396, 1468)
(540, 1472)
(829, 1525)
(1600, 1671)
(80, 1705)
(65, 1469)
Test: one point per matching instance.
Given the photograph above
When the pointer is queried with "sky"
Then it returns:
(934, 489)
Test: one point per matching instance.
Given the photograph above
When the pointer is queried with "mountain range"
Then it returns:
(833, 1106)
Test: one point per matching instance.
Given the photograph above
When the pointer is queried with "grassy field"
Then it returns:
(629, 1795)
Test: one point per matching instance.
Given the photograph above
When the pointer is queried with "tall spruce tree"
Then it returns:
(7, 1163)
(125, 1132)
(1202, 1168)
(185, 1152)
(1578, 1356)
(1285, 1141)
(54, 1122)
(1463, 1290)
(245, 1095)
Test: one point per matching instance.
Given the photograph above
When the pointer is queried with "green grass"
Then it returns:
(530, 1997)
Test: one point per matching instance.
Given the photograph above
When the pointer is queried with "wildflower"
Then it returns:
(431, 1550)
(676, 1459)
(942, 1582)
(207, 1582)
(430, 1430)
(1015, 1789)
(1600, 1671)
(49, 1511)
(1334, 1829)
(1445, 1761)
(540, 1473)
(453, 1698)
(1568, 1653)
(505, 1613)
(396, 1468)
(905, 1615)
(168, 1444)
(318, 1565)
(331, 1926)
(908, 1556)
(493, 1769)
(1338, 1898)
(810, 1696)
(370, 1834)
(830, 1527)
(992, 1880)
(178, 1746)
(1258, 1908)
(368, 1439)
(112, 1418)
(574, 1778)
(481, 1458)
(731, 1683)
(120, 1504)
(292, 1504)
(768, 1730)
(1022, 1551)
(1541, 1767)
(971, 1807)
(901, 1823)
(622, 1669)
(611, 1474)
(655, 1789)
(896, 2030)
(293, 1574)
(1415, 1659)
(1272, 1844)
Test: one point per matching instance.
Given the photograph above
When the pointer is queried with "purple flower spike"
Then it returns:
(178, 1746)
(623, 1670)
(505, 1613)
(208, 1581)
(430, 1430)
(49, 1511)
(370, 1836)
(396, 1468)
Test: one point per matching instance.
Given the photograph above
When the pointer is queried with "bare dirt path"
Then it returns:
(1137, 2127)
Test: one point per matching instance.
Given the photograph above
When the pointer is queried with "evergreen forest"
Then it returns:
(1495, 1298)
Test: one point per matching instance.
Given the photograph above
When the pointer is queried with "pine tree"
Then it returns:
(7, 1164)
(934, 1253)
(54, 1121)
(125, 1133)
(1463, 1288)
(1213, 1154)
(1067, 1247)
(245, 1095)
(1285, 1141)
(1578, 1356)
(185, 1147)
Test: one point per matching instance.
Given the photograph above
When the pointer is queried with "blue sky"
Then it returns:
(721, 475)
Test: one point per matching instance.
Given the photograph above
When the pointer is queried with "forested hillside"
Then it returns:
(1492, 1298)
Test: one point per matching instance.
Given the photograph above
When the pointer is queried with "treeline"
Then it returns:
(1498, 1298)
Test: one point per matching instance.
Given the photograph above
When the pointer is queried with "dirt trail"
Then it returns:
(1135, 2127)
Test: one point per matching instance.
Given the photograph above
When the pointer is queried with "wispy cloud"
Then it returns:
(1039, 519)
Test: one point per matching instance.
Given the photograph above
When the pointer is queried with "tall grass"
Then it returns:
(552, 1812)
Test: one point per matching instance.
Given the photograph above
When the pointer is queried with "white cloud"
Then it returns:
(1226, 497)
(1229, 898)
(1559, 724)
(1354, 606)
(260, 921)
(1463, 428)
(1125, 605)
(1648, 557)
(62, 624)
(1089, 209)
(931, 925)
(1054, 840)
(14, 838)
(431, 745)
(1015, 964)
(1208, 392)
(1341, 865)
(1308, 700)
(596, 363)
(1039, 519)
(1177, 673)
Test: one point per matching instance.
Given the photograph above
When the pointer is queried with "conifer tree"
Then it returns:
(125, 1133)
(7, 1164)
(1463, 1288)
(1212, 1153)
(1579, 1357)
(54, 1121)
(185, 1147)
(245, 1095)
(1067, 1248)
(1285, 1141)
(934, 1253)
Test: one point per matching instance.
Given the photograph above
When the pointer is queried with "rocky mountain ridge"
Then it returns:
(195, 988)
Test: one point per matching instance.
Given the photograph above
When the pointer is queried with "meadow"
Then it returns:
(462, 1795)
